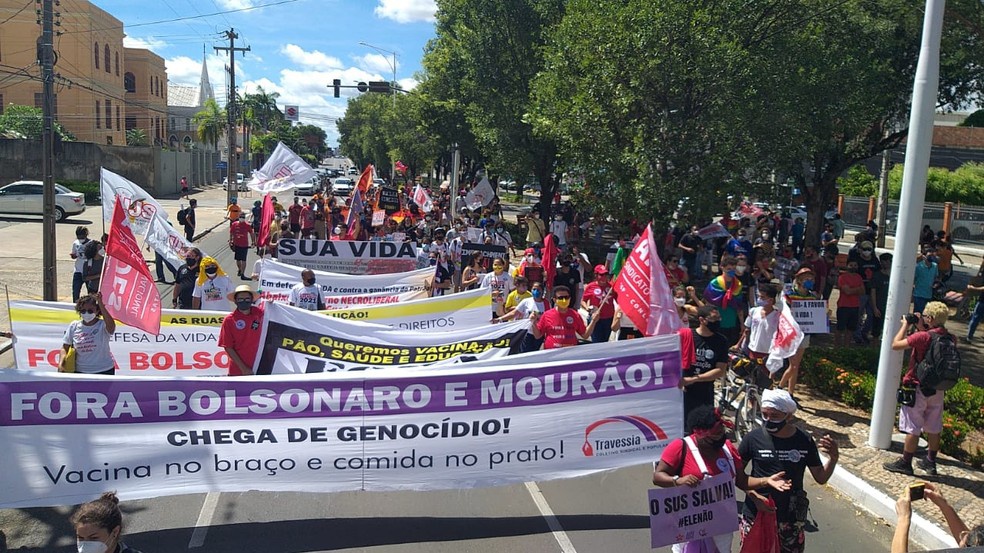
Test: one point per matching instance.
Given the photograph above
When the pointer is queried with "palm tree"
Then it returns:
(136, 137)
(264, 107)
(211, 122)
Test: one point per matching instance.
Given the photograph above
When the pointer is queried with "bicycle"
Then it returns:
(740, 392)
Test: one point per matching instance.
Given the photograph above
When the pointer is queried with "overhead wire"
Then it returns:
(18, 12)
(185, 18)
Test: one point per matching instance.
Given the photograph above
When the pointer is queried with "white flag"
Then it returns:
(281, 172)
(167, 241)
(422, 199)
(481, 195)
(140, 206)
(787, 340)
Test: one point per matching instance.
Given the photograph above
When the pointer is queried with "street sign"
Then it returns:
(221, 165)
(244, 163)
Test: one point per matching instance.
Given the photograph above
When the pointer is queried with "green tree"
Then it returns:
(28, 122)
(975, 119)
(362, 131)
(483, 61)
(136, 137)
(408, 136)
(211, 123)
(858, 182)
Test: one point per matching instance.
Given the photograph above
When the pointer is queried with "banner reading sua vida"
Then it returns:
(298, 341)
(188, 340)
(341, 291)
(68, 438)
(349, 256)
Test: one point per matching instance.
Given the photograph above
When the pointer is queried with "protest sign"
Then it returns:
(299, 341)
(712, 231)
(348, 256)
(811, 315)
(342, 291)
(188, 340)
(683, 513)
(68, 438)
(489, 250)
(378, 217)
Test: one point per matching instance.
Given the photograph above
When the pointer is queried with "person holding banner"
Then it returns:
(779, 446)
(803, 286)
(599, 302)
(240, 331)
(99, 526)
(92, 268)
(307, 294)
(90, 338)
(707, 452)
(501, 284)
(710, 361)
(561, 326)
(474, 272)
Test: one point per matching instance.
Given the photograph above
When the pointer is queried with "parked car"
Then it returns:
(342, 185)
(240, 183)
(795, 211)
(307, 188)
(26, 197)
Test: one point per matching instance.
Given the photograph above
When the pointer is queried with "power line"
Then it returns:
(18, 12)
(176, 19)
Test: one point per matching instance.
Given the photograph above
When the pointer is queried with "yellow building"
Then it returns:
(91, 101)
(145, 82)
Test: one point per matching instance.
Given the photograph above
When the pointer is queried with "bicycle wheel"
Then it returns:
(748, 416)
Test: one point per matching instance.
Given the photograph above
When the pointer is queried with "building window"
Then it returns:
(150, 89)
(118, 125)
(106, 57)
(98, 115)
(171, 121)
(109, 140)
(109, 114)
(95, 49)
(1, 104)
(187, 123)
(116, 60)
(130, 122)
(129, 82)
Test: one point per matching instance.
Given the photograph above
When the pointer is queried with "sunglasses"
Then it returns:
(93, 311)
(867, 250)
(562, 297)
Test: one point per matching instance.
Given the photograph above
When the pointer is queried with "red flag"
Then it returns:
(401, 167)
(128, 290)
(550, 254)
(365, 179)
(266, 219)
(643, 293)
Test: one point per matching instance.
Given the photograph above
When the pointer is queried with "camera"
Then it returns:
(917, 491)
(911, 318)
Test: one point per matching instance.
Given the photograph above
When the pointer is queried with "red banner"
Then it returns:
(643, 293)
(266, 218)
(127, 288)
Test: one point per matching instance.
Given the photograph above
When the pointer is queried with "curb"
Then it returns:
(876, 502)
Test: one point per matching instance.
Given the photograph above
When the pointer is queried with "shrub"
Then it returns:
(89, 188)
(954, 433)
(966, 402)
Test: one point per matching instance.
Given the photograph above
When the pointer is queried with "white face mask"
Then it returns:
(740, 269)
(680, 301)
(88, 317)
(92, 547)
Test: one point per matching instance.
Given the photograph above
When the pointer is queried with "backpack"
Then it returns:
(940, 369)
(183, 216)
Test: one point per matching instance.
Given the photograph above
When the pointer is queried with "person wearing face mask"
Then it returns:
(568, 276)
(536, 303)
(599, 300)
(707, 452)
(240, 331)
(726, 293)
(710, 362)
(879, 295)
(851, 287)
(520, 293)
(500, 282)
(184, 284)
(927, 274)
(307, 294)
(561, 326)
(780, 446)
(690, 245)
(558, 227)
(90, 337)
(78, 254)
(211, 287)
(868, 266)
(761, 324)
(99, 526)
(95, 254)
(803, 285)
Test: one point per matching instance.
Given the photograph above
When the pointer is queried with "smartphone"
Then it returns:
(917, 491)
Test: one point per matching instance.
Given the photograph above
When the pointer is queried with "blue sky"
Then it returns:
(297, 47)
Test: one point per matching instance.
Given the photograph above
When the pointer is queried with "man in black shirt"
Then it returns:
(690, 246)
(568, 277)
(184, 284)
(710, 361)
(190, 220)
(868, 266)
(778, 446)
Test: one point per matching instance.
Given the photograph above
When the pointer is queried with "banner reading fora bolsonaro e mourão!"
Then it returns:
(295, 341)
(540, 416)
(188, 341)
(349, 256)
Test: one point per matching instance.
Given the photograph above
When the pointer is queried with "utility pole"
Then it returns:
(882, 211)
(47, 60)
(232, 160)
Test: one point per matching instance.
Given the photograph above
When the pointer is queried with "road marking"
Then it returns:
(558, 531)
(204, 520)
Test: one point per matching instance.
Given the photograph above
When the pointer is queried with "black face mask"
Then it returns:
(191, 261)
(718, 443)
(211, 270)
(309, 281)
(713, 326)
(774, 426)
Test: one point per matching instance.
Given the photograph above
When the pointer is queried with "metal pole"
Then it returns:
(50, 273)
(917, 151)
(882, 212)
(232, 159)
(455, 169)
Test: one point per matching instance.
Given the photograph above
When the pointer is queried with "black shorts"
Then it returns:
(295, 227)
(241, 252)
(847, 318)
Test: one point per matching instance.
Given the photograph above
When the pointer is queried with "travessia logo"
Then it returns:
(627, 433)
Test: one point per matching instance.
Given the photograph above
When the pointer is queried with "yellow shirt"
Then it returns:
(514, 297)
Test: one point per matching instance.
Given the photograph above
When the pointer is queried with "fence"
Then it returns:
(966, 222)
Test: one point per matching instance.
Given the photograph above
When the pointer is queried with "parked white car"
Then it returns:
(306, 188)
(240, 183)
(26, 197)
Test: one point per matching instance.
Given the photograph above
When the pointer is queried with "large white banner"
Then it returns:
(340, 290)
(281, 172)
(349, 256)
(140, 206)
(188, 341)
(167, 241)
(540, 416)
(295, 341)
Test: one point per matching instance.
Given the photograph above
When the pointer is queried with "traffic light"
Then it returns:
(380, 86)
(337, 84)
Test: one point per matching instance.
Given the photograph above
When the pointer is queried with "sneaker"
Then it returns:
(900, 466)
(927, 466)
